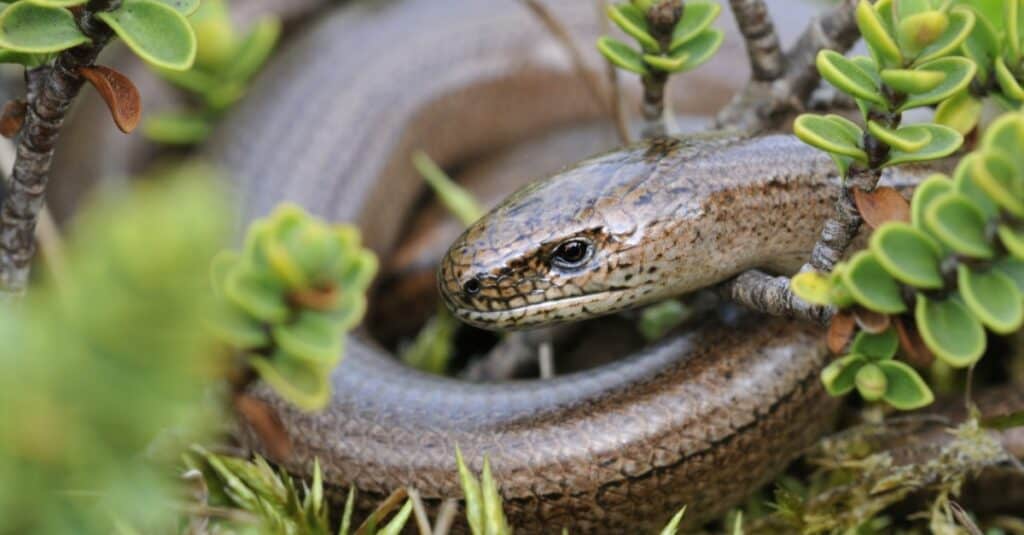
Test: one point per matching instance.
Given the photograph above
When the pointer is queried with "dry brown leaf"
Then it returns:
(870, 321)
(881, 205)
(12, 117)
(264, 421)
(120, 94)
(840, 331)
(914, 351)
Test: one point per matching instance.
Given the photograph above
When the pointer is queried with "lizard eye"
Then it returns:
(572, 253)
(471, 286)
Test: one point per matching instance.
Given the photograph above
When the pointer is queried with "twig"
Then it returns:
(615, 91)
(446, 516)
(389, 504)
(546, 361)
(840, 229)
(771, 295)
(50, 91)
(766, 59)
(561, 33)
(762, 103)
(419, 512)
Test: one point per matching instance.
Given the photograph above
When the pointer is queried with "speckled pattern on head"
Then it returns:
(659, 219)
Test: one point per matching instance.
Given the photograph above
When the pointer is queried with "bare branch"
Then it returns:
(50, 91)
(771, 295)
(766, 60)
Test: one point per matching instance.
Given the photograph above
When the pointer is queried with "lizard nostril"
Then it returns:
(471, 287)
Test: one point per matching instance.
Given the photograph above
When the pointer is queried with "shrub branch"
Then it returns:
(50, 91)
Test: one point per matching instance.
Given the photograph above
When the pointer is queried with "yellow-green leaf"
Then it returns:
(908, 254)
(992, 297)
(31, 28)
(905, 389)
(156, 32)
(848, 77)
(950, 330)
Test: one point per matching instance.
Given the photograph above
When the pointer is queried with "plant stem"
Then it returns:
(766, 59)
(50, 91)
(662, 18)
(771, 295)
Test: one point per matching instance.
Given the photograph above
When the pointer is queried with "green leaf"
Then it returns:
(871, 382)
(839, 377)
(673, 525)
(993, 298)
(698, 50)
(918, 30)
(1012, 239)
(961, 112)
(1014, 269)
(958, 73)
(622, 55)
(297, 381)
(998, 177)
(839, 136)
(1013, 28)
(258, 294)
(1005, 134)
(883, 47)
(933, 187)
(185, 7)
(848, 77)
(673, 63)
(397, 523)
(177, 129)
(950, 330)
(1007, 82)
(812, 287)
(312, 336)
(473, 496)
(237, 329)
(905, 139)
(156, 32)
(982, 45)
(59, 3)
(493, 513)
(912, 80)
(963, 182)
(32, 28)
(255, 49)
(880, 346)
(872, 286)
(658, 319)
(633, 21)
(905, 389)
(942, 141)
(959, 224)
(697, 16)
(908, 254)
(961, 22)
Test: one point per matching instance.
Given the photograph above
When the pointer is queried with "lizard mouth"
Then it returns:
(561, 310)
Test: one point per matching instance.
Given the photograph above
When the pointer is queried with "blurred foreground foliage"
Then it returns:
(92, 372)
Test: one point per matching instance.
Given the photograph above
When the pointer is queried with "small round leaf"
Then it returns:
(943, 142)
(876, 35)
(959, 225)
(840, 375)
(1014, 269)
(848, 77)
(32, 28)
(933, 187)
(185, 7)
(918, 30)
(1007, 82)
(960, 23)
(912, 80)
(1012, 239)
(812, 287)
(908, 254)
(961, 112)
(297, 381)
(993, 298)
(312, 336)
(698, 50)
(871, 382)
(880, 346)
(622, 55)
(905, 139)
(996, 174)
(829, 134)
(697, 16)
(905, 390)
(633, 21)
(950, 330)
(964, 182)
(872, 286)
(155, 31)
(958, 73)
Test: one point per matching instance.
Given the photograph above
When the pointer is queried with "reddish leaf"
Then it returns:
(265, 423)
(118, 92)
(881, 205)
(316, 298)
(870, 321)
(12, 117)
(840, 331)
(914, 351)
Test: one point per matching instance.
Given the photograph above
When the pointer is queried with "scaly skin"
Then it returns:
(698, 419)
